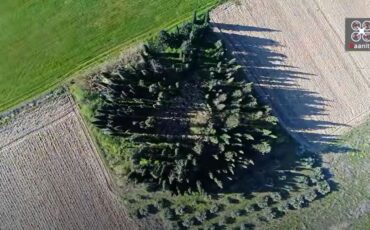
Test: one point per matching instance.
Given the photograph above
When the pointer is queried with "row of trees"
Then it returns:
(193, 119)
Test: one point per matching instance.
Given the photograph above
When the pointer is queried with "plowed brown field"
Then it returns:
(51, 176)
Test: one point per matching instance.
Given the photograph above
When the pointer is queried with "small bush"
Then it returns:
(276, 211)
(297, 203)
(236, 213)
(187, 223)
(310, 195)
(268, 200)
(313, 181)
(255, 207)
(262, 218)
(262, 204)
(241, 212)
(269, 215)
(318, 174)
(275, 197)
(294, 204)
(302, 181)
(249, 209)
(283, 208)
(323, 187)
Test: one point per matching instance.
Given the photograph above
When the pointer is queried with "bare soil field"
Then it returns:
(294, 52)
(51, 176)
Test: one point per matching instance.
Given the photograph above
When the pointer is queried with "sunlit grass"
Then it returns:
(44, 42)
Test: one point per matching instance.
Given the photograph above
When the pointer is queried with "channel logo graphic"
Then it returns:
(357, 34)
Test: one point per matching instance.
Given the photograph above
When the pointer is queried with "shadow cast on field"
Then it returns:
(277, 86)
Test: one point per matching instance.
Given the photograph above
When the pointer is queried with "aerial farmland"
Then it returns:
(298, 65)
(51, 174)
(192, 114)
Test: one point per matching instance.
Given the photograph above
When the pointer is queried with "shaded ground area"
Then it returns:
(50, 174)
(294, 52)
(348, 207)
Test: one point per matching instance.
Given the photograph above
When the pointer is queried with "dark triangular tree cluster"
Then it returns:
(193, 118)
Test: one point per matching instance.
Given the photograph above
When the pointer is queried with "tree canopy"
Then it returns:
(190, 113)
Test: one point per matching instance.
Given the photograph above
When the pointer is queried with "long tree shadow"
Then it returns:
(278, 85)
(284, 169)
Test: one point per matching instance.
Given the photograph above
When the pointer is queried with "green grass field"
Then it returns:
(44, 42)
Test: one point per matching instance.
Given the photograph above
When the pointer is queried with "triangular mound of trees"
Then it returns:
(192, 117)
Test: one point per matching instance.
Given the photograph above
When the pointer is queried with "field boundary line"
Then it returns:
(93, 146)
(60, 118)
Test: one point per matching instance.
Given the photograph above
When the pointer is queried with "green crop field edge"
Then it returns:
(80, 69)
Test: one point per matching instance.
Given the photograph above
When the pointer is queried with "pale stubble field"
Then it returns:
(51, 175)
(294, 53)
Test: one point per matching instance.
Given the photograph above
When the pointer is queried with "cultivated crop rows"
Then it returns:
(34, 116)
(294, 52)
(52, 177)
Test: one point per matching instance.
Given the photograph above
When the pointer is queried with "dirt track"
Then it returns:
(294, 52)
(51, 176)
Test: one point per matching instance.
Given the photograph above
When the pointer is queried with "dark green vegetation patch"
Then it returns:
(193, 119)
(181, 117)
